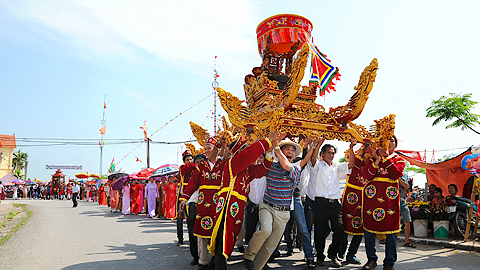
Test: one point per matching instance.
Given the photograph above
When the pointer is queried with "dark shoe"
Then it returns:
(274, 256)
(179, 243)
(336, 262)
(320, 262)
(194, 262)
(310, 263)
(353, 259)
(201, 267)
(370, 265)
(342, 252)
(248, 264)
(289, 252)
(241, 249)
(388, 268)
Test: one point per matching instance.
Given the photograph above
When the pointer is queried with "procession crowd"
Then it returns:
(237, 195)
(249, 197)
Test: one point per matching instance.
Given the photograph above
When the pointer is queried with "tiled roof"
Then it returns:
(8, 141)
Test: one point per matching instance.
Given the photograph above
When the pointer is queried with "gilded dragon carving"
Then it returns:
(274, 102)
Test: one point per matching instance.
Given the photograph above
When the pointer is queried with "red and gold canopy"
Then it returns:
(282, 31)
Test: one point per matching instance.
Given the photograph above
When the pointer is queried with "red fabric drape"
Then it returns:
(444, 173)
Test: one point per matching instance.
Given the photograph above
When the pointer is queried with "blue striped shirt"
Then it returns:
(281, 184)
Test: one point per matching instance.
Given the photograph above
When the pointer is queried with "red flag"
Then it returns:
(104, 105)
(138, 160)
(144, 129)
(102, 130)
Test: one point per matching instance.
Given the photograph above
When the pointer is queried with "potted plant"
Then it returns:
(420, 213)
(439, 217)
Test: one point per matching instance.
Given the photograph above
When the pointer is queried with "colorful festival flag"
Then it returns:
(323, 73)
(112, 166)
(104, 105)
(138, 160)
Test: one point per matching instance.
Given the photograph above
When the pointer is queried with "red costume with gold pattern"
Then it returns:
(232, 197)
(352, 199)
(381, 201)
(185, 172)
(208, 182)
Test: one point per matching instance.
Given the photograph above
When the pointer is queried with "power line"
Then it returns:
(32, 142)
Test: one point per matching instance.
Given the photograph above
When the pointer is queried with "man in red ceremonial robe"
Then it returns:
(185, 172)
(206, 178)
(352, 201)
(381, 205)
(230, 205)
(135, 196)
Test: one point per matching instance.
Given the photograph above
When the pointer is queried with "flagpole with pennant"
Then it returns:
(102, 132)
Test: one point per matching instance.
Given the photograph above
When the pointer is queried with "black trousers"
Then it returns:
(179, 225)
(290, 233)
(354, 244)
(74, 199)
(251, 220)
(192, 213)
(220, 260)
(325, 211)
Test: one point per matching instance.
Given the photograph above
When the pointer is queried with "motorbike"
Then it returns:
(458, 215)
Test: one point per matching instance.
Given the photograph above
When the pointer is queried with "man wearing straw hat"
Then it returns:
(274, 210)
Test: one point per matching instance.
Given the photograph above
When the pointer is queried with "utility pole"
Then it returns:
(26, 167)
(148, 152)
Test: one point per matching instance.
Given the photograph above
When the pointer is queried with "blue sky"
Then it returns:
(154, 59)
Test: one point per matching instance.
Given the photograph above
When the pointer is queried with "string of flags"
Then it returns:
(178, 115)
(144, 128)
(129, 153)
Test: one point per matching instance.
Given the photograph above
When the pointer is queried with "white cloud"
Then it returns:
(184, 34)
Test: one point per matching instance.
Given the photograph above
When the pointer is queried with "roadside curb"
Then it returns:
(457, 244)
(5, 209)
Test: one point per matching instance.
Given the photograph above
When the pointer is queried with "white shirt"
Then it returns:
(327, 178)
(75, 189)
(194, 197)
(257, 189)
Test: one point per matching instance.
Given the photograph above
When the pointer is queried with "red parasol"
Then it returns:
(145, 173)
(134, 176)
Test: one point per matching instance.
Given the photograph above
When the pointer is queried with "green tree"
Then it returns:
(456, 107)
(19, 162)
(414, 169)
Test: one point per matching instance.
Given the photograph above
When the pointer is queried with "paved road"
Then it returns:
(58, 236)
